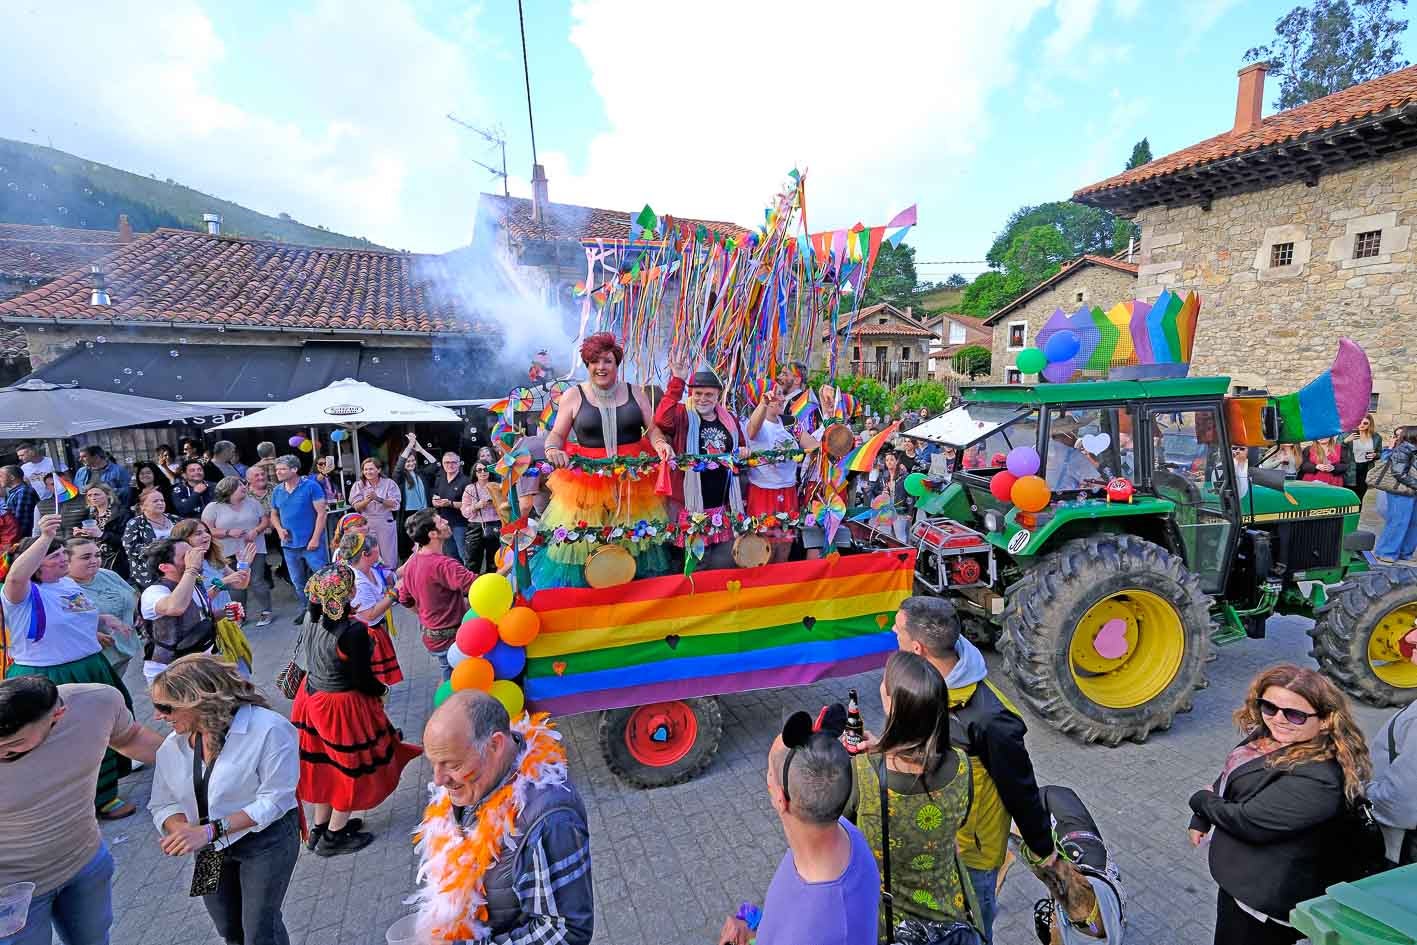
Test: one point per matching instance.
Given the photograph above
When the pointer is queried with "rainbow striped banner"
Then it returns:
(667, 638)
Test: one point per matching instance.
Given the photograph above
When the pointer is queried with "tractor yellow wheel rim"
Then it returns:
(1127, 649)
(1383, 655)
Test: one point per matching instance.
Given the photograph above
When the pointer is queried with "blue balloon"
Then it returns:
(1062, 346)
(338, 435)
(507, 661)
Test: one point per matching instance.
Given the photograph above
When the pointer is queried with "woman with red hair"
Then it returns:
(609, 418)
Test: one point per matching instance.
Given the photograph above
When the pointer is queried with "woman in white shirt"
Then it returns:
(55, 630)
(224, 787)
(772, 487)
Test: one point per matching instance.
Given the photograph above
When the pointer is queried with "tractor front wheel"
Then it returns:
(664, 743)
(1107, 637)
(1356, 635)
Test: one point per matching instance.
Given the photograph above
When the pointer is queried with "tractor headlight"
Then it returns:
(993, 521)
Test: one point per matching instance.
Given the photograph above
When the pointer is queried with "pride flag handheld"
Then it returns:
(64, 490)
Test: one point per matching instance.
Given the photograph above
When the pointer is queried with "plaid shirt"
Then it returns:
(553, 884)
(20, 502)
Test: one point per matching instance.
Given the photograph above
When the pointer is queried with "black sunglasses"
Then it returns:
(480, 469)
(162, 708)
(1292, 716)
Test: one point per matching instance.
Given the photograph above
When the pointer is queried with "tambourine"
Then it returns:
(838, 440)
(751, 551)
(609, 566)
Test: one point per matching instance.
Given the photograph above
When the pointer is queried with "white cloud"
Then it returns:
(1075, 19)
(363, 85)
(709, 105)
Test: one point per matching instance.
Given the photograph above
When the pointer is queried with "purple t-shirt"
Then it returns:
(840, 912)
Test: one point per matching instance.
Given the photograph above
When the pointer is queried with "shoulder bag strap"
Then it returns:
(886, 897)
(201, 779)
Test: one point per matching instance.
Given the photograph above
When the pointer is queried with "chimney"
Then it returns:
(1249, 103)
(125, 229)
(213, 222)
(99, 295)
(539, 198)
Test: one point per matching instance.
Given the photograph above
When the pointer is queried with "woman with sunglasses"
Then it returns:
(484, 524)
(224, 790)
(928, 789)
(1393, 789)
(1277, 815)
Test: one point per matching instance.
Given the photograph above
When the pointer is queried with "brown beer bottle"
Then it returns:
(855, 732)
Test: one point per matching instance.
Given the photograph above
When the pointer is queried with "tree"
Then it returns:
(893, 279)
(1141, 154)
(956, 281)
(930, 396)
(1083, 229)
(1037, 253)
(991, 291)
(871, 393)
(1329, 45)
(972, 361)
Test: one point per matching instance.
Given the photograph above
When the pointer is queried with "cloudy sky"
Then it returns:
(334, 110)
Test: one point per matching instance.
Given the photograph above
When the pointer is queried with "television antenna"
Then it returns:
(492, 137)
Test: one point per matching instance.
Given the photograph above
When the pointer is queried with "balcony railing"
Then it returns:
(890, 373)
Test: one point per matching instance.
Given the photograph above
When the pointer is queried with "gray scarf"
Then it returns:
(693, 480)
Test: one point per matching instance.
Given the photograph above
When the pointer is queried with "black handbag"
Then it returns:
(919, 931)
(290, 678)
(206, 868)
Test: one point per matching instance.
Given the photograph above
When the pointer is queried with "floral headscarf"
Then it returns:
(332, 587)
(346, 522)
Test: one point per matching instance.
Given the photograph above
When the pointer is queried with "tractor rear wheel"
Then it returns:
(1106, 638)
(1357, 631)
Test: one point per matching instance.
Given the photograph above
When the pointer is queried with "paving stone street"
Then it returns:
(669, 864)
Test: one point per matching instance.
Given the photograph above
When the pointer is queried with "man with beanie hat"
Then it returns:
(708, 497)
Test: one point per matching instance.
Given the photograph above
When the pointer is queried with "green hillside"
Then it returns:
(41, 186)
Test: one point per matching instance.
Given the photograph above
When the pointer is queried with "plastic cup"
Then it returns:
(15, 907)
(89, 523)
(404, 932)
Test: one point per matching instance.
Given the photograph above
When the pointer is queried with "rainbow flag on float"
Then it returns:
(667, 638)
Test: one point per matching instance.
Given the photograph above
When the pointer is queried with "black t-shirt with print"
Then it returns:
(714, 438)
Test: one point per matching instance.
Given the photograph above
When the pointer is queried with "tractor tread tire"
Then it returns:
(1343, 625)
(611, 733)
(1071, 579)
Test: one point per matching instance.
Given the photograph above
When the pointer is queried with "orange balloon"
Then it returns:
(1031, 494)
(473, 673)
(519, 626)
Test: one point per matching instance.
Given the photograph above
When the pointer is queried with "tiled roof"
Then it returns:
(974, 331)
(12, 344)
(565, 222)
(182, 276)
(46, 252)
(1340, 108)
(1076, 265)
(899, 329)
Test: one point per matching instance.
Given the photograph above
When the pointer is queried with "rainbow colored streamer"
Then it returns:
(723, 631)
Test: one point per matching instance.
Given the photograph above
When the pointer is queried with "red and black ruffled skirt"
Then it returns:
(351, 757)
(383, 661)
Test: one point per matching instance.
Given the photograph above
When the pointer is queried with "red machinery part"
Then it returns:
(964, 571)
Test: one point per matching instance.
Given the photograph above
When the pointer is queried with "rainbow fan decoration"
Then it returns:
(1332, 403)
(1132, 333)
(521, 398)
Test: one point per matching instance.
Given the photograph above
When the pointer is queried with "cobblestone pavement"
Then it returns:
(671, 863)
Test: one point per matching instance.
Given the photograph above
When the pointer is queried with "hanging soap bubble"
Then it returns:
(179, 396)
(172, 352)
(307, 359)
(117, 381)
(83, 222)
(437, 357)
(13, 186)
(100, 203)
(179, 377)
(102, 339)
(181, 341)
(375, 359)
(63, 211)
(127, 370)
(88, 344)
(221, 329)
(140, 373)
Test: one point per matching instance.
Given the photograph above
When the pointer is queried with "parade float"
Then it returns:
(1113, 521)
(652, 653)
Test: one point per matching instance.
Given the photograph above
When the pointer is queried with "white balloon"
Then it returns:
(455, 655)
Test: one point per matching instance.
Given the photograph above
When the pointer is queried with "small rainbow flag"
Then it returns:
(547, 420)
(64, 490)
(801, 405)
(755, 391)
(864, 456)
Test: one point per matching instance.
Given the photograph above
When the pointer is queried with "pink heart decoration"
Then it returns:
(1111, 641)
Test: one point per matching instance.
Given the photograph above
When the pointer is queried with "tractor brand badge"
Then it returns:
(1120, 489)
(1019, 541)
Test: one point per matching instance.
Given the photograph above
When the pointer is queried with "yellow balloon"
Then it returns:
(510, 695)
(306, 446)
(491, 596)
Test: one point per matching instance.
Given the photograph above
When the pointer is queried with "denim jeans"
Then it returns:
(301, 564)
(983, 882)
(255, 873)
(453, 547)
(81, 910)
(1399, 535)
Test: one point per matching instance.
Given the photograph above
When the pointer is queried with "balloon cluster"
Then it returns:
(302, 443)
(1061, 346)
(489, 651)
(1018, 482)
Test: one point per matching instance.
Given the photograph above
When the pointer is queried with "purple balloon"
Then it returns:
(1023, 461)
(296, 440)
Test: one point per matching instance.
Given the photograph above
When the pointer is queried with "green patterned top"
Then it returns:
(927, 878)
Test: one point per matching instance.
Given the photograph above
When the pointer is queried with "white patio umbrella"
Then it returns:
(347, 403)
(39, 410)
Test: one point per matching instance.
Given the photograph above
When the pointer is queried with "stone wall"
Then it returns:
(1098, 285)
(1277, 327)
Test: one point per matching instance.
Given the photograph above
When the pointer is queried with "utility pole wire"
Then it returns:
(526, 72)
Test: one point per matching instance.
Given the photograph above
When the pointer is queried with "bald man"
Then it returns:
(539, 890)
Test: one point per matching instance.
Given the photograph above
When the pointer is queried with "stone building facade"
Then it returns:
(1088, 280)
(1276, 326)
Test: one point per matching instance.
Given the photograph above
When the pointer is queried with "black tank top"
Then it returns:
(629, 422)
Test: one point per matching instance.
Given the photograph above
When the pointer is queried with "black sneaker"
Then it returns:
(299, 618)
(319, 830)
(343, 841)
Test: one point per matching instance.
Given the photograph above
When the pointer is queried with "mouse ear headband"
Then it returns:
(799, 730)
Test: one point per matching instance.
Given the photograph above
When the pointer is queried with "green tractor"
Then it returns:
(1161, 536)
